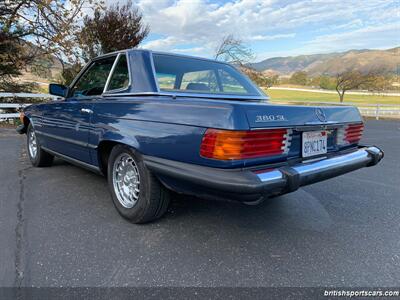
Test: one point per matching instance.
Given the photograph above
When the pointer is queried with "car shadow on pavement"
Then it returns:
(300, 210)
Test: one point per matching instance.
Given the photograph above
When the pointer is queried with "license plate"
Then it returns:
(314, 143)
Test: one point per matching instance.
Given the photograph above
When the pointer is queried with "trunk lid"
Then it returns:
(267, 115)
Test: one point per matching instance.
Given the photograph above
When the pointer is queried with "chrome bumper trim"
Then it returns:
(306, 173)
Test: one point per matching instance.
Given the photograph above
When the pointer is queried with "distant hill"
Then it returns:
(43, 68)
(48, 69)
(333, 63)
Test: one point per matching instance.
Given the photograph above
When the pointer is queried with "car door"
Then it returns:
(119, 81)
(70, 119)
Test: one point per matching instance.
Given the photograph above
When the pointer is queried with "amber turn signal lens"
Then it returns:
(234, 144)
(22, 116)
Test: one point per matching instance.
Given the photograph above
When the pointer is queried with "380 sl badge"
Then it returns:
(270, 118)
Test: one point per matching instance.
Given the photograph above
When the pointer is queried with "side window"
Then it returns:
(204, 81)
(230, 84)
(120, 76)
(92, 82)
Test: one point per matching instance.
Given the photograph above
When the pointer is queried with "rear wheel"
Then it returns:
(37, 156)
(136, 192)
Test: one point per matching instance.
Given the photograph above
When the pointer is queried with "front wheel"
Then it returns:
(37, 156)
(136, 192)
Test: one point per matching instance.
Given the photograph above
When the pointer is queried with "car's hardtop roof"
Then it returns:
(159, 53)
(151, 87)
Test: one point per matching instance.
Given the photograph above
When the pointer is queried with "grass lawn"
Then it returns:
(285, 95)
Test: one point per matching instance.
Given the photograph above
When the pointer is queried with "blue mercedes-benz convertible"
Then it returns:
(154, 122)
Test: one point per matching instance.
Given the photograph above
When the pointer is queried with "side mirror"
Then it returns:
(58, 89)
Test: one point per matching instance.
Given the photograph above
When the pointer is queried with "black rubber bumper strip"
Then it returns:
(292, 179)
(376, 156)
(284, 179)
(236, 181)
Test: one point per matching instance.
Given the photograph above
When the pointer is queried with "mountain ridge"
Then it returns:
(364, 60)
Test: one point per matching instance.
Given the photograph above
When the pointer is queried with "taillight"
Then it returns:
(234, 144)
(350, 134)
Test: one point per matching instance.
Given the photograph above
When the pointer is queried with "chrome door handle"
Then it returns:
(86, 110)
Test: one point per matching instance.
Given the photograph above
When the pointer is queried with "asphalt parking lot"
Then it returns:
(59, 228)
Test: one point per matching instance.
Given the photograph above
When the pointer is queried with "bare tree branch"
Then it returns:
(233, 50)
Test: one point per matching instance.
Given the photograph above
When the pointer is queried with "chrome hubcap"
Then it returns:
(126, 180)
(32, 144)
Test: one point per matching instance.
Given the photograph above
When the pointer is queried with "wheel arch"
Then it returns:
(23, 128)
(26, 121)
(105, 147)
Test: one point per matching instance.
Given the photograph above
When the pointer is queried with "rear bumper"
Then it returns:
(268, 181)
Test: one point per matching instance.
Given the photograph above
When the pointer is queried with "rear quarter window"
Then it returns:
(120, 76)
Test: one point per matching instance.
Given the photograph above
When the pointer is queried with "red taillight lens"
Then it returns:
(354, 133)
(232, 144)
(350, 134)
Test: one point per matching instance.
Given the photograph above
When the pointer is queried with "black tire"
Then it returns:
(153, 197)
(42, 158)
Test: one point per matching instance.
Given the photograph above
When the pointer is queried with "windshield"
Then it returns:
(191, 75)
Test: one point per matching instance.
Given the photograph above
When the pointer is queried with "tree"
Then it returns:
(233, 50)
(252, 74)
(299, 77)
(327, 83)
(378, 83)
(69, 73)
(259, 78)
(13, 58)
(37, 27)
(116, 28)
(269, 81)
(350, 80)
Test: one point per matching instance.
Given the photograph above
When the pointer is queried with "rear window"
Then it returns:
(191, 75)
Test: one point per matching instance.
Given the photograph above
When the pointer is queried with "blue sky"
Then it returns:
(271, 28)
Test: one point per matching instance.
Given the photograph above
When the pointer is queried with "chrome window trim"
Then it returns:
(190, 95)
(153, 68)
(111, 73)
(215, 96)
(106, 91)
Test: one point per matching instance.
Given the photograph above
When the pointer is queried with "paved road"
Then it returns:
(59, 228)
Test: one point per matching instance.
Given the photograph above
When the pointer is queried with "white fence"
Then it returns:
(13, 106)
(322, 91)
(10, 110)
(369, 110)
